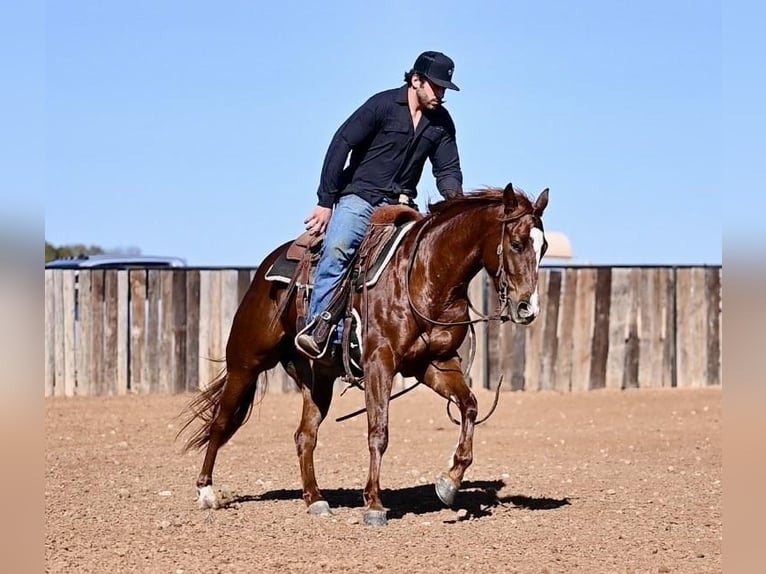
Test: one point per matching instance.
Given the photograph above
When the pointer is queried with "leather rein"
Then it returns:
(502, 274)
(502, 315)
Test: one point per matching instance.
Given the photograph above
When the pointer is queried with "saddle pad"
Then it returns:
(283, 269)
(375, 270)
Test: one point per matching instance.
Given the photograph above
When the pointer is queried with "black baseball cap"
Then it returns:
(437, 68)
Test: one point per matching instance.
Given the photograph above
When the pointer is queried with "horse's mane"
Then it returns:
(485, 196)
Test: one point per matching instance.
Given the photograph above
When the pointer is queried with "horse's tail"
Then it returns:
(204, 407)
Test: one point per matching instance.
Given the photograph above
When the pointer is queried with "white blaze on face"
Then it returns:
(536, 235)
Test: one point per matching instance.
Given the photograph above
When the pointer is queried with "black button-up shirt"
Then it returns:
(388, 154)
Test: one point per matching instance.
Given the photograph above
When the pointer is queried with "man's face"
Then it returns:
(429, 95)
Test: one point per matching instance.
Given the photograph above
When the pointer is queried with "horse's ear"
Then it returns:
(541, 203)
(509, 199)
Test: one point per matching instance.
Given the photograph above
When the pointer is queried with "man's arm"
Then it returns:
(354, 130)
(446, 164)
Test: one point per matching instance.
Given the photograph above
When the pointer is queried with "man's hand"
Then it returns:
(316, 222)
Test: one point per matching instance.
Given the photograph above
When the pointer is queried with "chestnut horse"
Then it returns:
(415, 319)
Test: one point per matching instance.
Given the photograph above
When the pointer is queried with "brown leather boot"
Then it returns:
(314, 345)
(306, 344)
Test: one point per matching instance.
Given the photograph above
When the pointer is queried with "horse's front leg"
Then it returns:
(446, 378)
(379, 373)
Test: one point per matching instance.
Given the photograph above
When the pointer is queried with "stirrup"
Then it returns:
(355, 344)
(310, 353)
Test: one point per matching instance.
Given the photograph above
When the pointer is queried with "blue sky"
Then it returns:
(198, 129)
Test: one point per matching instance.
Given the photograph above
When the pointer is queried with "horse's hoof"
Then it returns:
(319, 508)
(446, 490)
(207, 498)
(375, 518)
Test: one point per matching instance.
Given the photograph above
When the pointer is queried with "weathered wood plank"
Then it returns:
(654, 307)
(84, 356)
(151, 373)
(229, 304)
(583, 328)
(549, 350)
(68, 311)
(504, 355)
(691, 327)
(713, 374)
(518, 356)
(243, 283)
(192, 381)
(98, 385)
(49, 349)
(535, 333)
(632, 342)
(215, 348)
(167, 365)
(565, 332)
(670, 352)
(203, 363)
(648, 318)
(139, 383)
(619, 320)
(178, 381)
(110, 332)
(58, 334)
(123, 334)
(600, 341)
(648, 323)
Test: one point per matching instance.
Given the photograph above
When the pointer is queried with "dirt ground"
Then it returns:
(604, 481)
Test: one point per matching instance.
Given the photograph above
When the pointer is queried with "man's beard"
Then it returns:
(425, 101)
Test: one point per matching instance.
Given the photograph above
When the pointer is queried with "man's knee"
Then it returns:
(343, 250)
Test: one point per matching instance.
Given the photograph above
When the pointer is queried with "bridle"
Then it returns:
(504, 313)
(502, 274)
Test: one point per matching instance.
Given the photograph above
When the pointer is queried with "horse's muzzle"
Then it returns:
(524, 313)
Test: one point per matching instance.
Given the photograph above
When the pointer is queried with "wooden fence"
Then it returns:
(111, 332)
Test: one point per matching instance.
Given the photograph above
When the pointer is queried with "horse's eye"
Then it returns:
(517, 246)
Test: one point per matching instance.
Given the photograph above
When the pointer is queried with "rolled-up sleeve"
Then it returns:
(358, 127)
(445, 161)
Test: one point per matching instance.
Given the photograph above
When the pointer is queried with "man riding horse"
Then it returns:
(414, 315)
(389, 138)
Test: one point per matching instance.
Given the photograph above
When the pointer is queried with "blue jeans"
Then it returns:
(348, 225)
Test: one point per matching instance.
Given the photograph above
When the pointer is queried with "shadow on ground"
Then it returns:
(479, 498)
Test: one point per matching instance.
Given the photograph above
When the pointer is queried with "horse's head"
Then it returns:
(514, 264)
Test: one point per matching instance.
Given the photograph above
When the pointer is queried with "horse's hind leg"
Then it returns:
(377, 393)
(230, 413)
(446, 378)
(317, 396)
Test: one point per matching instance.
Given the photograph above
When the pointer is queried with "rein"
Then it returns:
(502, 315)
